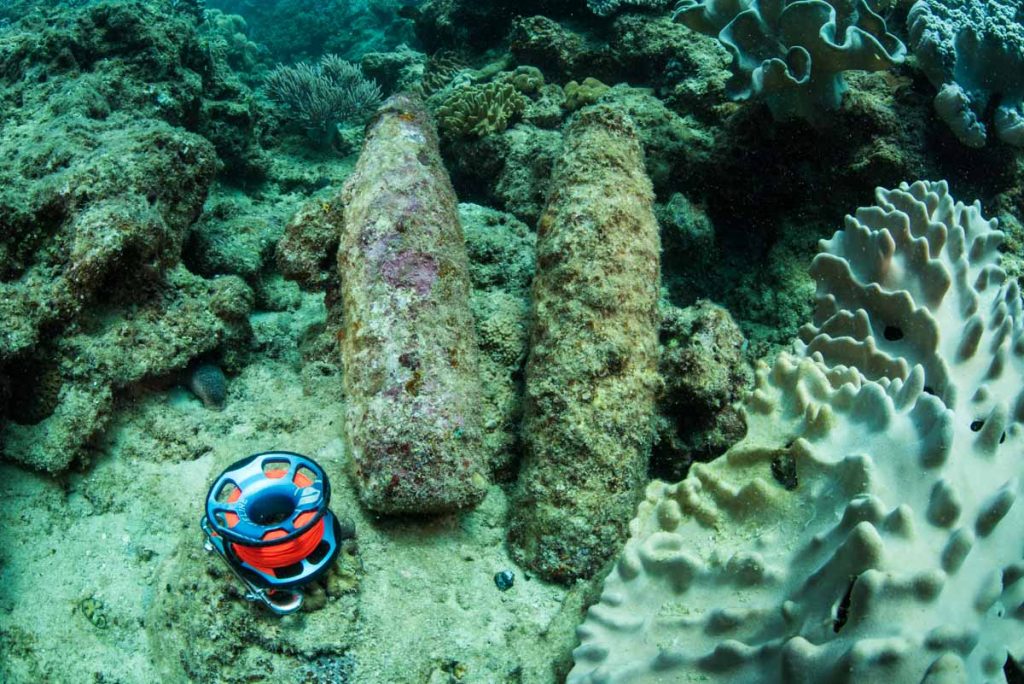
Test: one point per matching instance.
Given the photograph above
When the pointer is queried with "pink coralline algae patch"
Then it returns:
(409, 351)
(410, 269)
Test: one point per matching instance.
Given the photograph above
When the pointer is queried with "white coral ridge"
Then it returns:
(867, 527)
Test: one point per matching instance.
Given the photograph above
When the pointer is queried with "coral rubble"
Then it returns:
(413, 418)
(591, 376)
(866, 528)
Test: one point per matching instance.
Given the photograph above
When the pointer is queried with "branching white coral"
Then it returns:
(866, 529)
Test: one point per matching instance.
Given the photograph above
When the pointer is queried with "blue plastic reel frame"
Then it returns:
(267, 504)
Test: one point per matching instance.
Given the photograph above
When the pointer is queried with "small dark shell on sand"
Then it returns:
(504, 580)
(209, 384)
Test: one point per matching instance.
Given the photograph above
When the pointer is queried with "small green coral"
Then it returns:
(479, 110)
(578, 95)
(528, 80)
(94, 611)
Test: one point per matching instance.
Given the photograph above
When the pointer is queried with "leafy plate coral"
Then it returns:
(793, 52)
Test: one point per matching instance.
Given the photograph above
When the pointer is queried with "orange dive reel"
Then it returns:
(267, 516)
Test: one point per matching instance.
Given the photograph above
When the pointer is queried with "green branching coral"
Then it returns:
(793, 52)
(867, 527)
(321, 96)
(479, 110)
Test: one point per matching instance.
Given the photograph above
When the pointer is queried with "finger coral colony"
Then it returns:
(552, 293)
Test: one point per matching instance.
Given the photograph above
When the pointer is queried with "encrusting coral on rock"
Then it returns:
(98, 190)
(867, 527)
(591, 375)
(92, 292)
(604, 8)
(413, 415)
(705, 373)
(501, 267)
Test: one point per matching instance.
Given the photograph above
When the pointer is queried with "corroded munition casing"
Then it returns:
(409, 350)
(591, 376)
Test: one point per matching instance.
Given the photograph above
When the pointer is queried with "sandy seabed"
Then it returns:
(106, 579)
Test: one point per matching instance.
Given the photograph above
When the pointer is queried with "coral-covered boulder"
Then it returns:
(705, 373)
(100, 183)
(86, 210)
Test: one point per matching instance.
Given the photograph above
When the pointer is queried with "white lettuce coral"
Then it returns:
(866, 529)
(793, 53)
(973, 52)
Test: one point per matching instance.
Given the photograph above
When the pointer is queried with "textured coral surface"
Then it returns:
(973, 52)
(866, 528)
(98, 191)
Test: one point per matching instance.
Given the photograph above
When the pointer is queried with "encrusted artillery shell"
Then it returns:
(591, 376)
(409, 349)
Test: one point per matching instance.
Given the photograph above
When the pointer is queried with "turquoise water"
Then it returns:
(630, 341)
